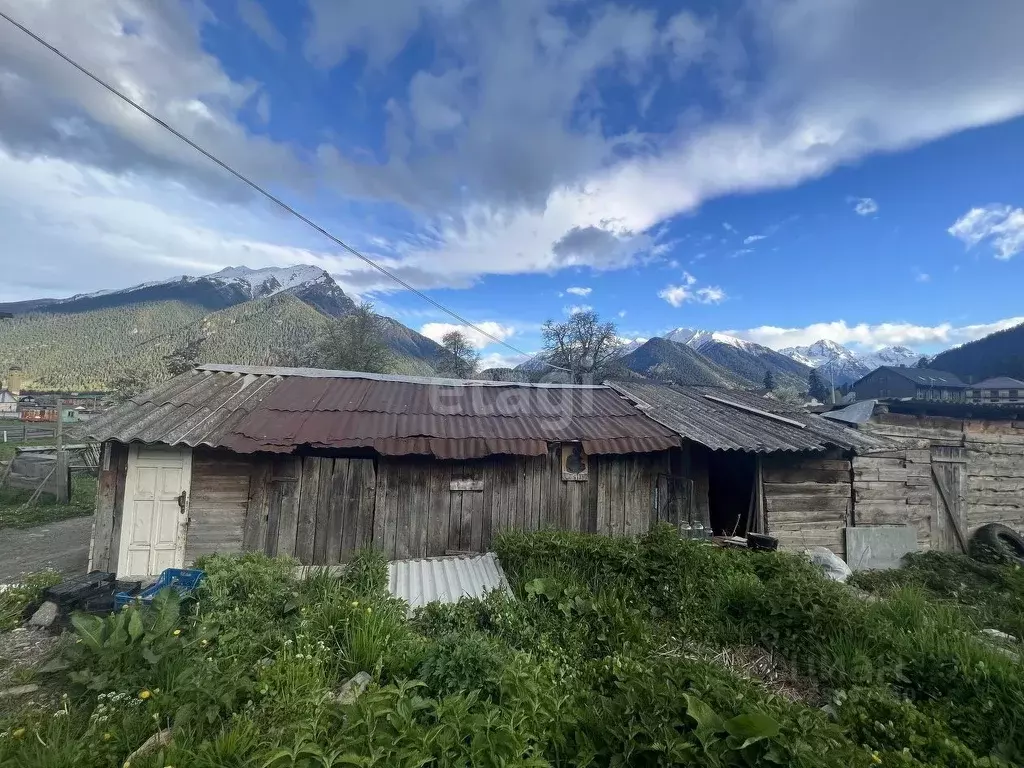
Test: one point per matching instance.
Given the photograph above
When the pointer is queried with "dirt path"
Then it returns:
(63, 545)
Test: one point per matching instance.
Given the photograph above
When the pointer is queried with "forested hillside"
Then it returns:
(88, 350)
(669, 361)
(999, 354)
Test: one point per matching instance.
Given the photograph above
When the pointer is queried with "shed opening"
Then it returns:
(730, 491)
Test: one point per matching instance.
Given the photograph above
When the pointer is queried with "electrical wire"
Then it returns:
(268, 195)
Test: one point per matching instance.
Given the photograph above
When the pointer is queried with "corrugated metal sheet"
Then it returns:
(445, 579)
(858, 413)
(250, 410)
(723, 427)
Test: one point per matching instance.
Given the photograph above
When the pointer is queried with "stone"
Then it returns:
(351, 690)
(158, 739)
(45, 616)
(997, 634)
(19, 690)
(833, 565)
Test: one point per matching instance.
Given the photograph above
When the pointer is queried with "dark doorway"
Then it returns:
(730, 490)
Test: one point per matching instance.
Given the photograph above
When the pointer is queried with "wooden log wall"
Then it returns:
(808, 499)
(896, 488)
(218, 502)
(995, 474)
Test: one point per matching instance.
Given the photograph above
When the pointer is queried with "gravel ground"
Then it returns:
(63, 546)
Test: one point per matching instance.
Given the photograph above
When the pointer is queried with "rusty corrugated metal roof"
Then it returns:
(445, 579)
(279, 409)
(721, 426)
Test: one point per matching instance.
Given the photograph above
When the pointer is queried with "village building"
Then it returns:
(997, 390)
(958, 467)
(898, 382)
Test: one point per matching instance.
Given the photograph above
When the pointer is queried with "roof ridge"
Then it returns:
(326, 373)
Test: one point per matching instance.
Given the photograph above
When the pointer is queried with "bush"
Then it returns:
(18, 599)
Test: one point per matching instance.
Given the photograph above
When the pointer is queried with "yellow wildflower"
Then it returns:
(369, 610)
(177, 632)
(107, 736)
(875, 758)
(144, 694)
(18, 733)
(355, 603)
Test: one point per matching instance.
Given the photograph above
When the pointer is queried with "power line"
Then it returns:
(273, 198)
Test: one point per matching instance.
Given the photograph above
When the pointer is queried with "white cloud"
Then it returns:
(922, 277)
(864, 206)
(575, 309)
(622, 313)
(501, 360)
(753, 239)
(1000, 225)
(677, 295)
(436, 331)
(255, 17)
(873, 336)
(578, 291)
(728, 227)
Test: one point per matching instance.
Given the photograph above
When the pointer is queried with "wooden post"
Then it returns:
(63, 469)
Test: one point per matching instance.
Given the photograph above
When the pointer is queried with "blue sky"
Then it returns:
(784, 169)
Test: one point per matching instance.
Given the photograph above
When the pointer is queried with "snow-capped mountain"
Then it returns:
(268, 281)
(695, 338)
(845, 365)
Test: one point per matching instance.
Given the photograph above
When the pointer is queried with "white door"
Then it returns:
(155, 510)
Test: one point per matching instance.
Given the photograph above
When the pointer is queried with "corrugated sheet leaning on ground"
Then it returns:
(277, 410)
(445, 579)
(722, 427)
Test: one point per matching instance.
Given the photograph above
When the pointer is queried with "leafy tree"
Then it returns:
(357, 343)
(816, 388)
(460, 359)
(582, 344)
(185, 357)
(787, 394)
(769, 380)
(124, 388)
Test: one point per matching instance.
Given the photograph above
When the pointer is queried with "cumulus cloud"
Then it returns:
(922, 277)
(436, 331)
(687, 291)
(575, 309)
(873, 336)
(573, 185)
(753, 239)
(1001, 226)
(579, 291)
(864, 206)
(255, 17)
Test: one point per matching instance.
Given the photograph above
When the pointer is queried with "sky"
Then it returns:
(785, 170)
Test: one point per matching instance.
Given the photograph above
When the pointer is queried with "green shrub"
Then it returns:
(464, 663)
(18, 598)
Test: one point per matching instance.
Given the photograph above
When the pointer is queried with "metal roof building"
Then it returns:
(250, 409)
(735, 420)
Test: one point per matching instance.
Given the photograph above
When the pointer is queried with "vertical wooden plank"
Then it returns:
(521, 495)
(254, 532)
(286, 471)
(488, 472)
(455, 519)
(439, 509)
(103, 517)
(338, 505)
(551, 481)
(616, 495)
(322, 513)
(380, 507)
(502, 493)
(366, 508)
(594, 473)
(632, 525)
(419, 509)
(309, 494)
(398, 497)
(573, 497)
(475, 504)
(601, 516)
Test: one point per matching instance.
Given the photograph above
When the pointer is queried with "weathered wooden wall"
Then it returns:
(218, 502)
(896, 488)
(994, 493)
(808, 499)
(106, 524)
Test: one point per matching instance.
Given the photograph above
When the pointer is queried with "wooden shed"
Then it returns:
(756, 464)
(957, 467)
(316, 464)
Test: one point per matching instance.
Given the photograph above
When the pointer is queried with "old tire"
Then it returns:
(1001, 539)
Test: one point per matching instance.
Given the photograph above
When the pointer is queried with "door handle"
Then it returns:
(181, 501)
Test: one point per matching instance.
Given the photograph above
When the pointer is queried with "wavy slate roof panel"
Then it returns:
(691, 413)
(445, 579)
(280, 409)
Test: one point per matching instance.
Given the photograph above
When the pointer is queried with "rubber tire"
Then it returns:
(1001, 538)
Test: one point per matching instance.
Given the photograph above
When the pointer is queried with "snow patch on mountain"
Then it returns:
(845, 365)
(267, 281)
(695, 338)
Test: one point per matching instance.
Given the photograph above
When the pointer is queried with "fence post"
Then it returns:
(63, 484)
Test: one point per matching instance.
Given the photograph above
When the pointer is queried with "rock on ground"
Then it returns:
(45, 616)
(350, 691)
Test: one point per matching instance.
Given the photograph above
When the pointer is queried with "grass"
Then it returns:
(649, 652)
(45, 509)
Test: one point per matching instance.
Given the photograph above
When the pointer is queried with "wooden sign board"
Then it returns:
(466, 485)
(575, 463)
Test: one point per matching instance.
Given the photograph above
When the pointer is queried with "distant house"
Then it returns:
(997, 390)
(8, 404)
(893, 383)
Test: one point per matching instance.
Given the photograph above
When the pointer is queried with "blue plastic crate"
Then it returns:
(182, 580)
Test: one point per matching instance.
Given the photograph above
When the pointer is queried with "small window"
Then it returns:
(1013, 393)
